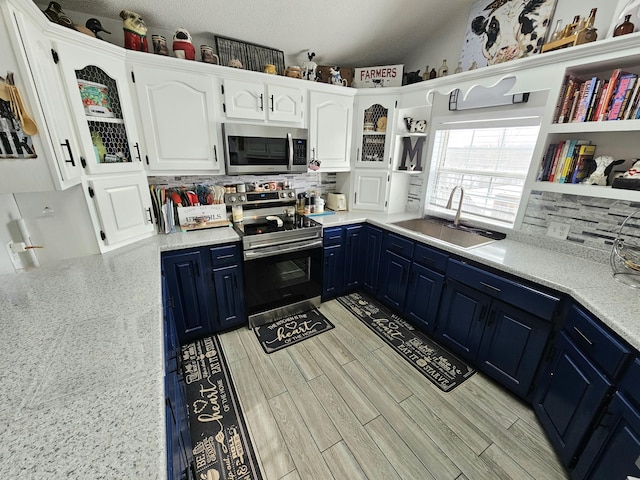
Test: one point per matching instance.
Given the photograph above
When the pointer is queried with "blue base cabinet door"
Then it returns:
(568, 398)
(423, 297)
(188, 292)
(462, 318)
(229, 296)
(614, 449)
(512, 344)
(332, 272)
(352, 246)
(395, 274)
(369, 258)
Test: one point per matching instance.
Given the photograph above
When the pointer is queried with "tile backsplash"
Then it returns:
(594, 222)
(302, 182)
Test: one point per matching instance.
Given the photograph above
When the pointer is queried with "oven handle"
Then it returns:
(290, 144)
(270, 251)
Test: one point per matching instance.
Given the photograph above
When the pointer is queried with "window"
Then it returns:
(490, 159)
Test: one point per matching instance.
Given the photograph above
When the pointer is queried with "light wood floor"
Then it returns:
(342, 405)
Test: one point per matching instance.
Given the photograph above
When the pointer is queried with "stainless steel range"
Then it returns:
(282, 255)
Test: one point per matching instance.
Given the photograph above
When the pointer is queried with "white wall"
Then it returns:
(9, 232)
(447, 41)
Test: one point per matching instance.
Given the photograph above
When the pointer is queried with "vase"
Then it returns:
(625, 27)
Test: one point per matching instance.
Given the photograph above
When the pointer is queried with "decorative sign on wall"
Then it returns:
(503, 30)
(383, 76)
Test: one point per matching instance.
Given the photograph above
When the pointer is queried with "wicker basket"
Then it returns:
(625, 254)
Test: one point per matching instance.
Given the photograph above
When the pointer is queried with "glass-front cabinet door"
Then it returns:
(99, 99)
(373, 148)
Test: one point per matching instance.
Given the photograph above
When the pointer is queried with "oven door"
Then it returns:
(282, 284)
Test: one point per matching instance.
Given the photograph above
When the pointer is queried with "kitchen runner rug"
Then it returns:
(291, 330)
(440, 366)
(222, 449)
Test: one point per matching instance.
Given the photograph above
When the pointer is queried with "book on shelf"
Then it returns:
(600, 101)
(573, 85)
(607, 100)
(547, 161)
(633, 102)
(556, 157)
(617, 99)
(593, 101)
(569, 161)
(582, 164)
(559, 165)
(584, 95)
(559, 101)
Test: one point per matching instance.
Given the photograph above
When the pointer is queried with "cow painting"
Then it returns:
(502, 30)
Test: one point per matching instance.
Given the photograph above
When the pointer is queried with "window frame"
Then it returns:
(527, 116)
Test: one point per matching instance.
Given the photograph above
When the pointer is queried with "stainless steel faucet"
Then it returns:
(456, 220)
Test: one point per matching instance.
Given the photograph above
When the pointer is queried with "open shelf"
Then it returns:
(585, 190)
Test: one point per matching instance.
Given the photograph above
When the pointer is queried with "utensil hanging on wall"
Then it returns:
(17, 107)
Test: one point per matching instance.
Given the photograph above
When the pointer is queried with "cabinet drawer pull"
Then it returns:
(584, 337)
(426, 259)
(271, 103)
(137, 145)
(71, 160)
(490, 287)
(222, 257)
(150, 215)
(396, 246)
(261, 102)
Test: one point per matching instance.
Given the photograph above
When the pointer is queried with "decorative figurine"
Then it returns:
(336, 79)
(412, 77)
(183, 46)
(135, 31)
(235, 63)
(309, 68)
(53, 12)
(604, 165)
(94, 25)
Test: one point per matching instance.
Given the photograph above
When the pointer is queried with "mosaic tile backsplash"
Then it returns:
(594, 222)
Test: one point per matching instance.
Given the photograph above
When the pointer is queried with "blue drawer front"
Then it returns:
(225, 255)
(630, 383)
(534, 301)
(600, 345)
(397, 244)
(430, 258)
(332, 236)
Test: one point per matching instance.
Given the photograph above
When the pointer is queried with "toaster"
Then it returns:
(336, 201)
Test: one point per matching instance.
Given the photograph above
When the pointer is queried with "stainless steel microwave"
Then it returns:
(258, 149)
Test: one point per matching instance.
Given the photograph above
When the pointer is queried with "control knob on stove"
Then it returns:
(242, 198)
(292, 194)
(232, 199)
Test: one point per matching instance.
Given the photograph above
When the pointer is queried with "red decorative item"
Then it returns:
(183, 46)
(135, 31)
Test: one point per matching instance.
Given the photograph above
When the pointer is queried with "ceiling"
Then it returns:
(341, 32)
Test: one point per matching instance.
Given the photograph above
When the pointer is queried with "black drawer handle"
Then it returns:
(584, 337)
(426, 259)
(490, 287)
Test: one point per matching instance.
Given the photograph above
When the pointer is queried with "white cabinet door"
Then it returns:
(285, 104)
(370, 189)
(103, 115)
(123, 207)
(374, 120)
(330, 130)
(178, 120)
(258, 101)
(49, 87)
(244, 100)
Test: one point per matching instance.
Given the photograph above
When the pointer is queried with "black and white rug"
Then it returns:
(222, 449)
(436, 363)
(291, 330)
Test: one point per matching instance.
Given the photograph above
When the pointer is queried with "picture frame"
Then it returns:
(252, 56)
(495, 32)
(625, 7)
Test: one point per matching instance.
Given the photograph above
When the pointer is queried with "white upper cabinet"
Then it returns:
(121, 209)
(258, 101)
(95, 82)
(374, 124)
(178, 120)
(330, 124)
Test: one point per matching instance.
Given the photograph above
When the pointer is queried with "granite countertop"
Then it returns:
(82, 384)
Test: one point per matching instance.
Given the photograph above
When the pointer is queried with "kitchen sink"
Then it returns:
(461, 235)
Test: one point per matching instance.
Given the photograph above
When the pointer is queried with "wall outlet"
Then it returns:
(558, 230)
(14, 256)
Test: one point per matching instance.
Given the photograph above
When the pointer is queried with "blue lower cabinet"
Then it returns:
(614, 448)
(395, 279)
(423, 297)
(189, 294)
(569, 397)
(462, 318)
(352, 257)
(369, 258)
(512, 345)
(332, 272)
(229, 296)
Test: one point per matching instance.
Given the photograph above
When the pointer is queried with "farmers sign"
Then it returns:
(384, 76)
